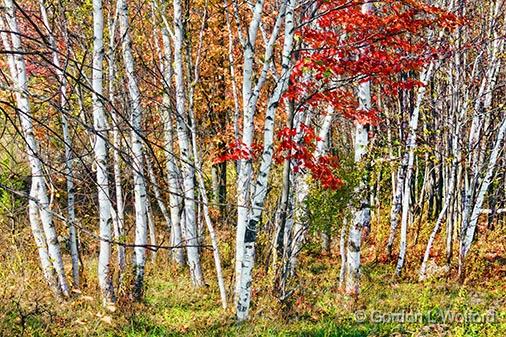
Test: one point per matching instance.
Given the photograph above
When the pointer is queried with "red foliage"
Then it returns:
(345, 46)
(238, 150)
(341, 48)
(298, 146)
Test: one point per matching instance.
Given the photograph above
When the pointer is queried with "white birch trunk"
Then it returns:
(360, 217)
(248, 217)
(137, 154)
(38, 188)
(470, 227)
(476, 153)
(151, 228)
(299, 222)
(41, 244)
(288, 212)
(475, 156)
(397, 202)
(69, 175)
(173, 173)
(411, 144)
(231, 61)
(245, 165)
(100, 149)
(188, 173)
(119, 218)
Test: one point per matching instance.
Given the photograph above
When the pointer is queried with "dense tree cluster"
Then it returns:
(168, 125)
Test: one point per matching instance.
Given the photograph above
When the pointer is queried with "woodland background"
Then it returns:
(274, 167)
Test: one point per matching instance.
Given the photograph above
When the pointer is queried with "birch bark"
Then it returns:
(361, 217)
(137, 153)
(472, 189)
(34, 205)
(187, 162)
(172, 170)
(38, 182)
(69, 174)
(100, 149)
(245, 165)
(469, 228)
(119, 216)
(411, 144)
(248, 217)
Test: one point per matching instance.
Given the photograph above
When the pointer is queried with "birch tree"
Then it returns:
(137, 153)
(40, 216)
(473, 192)
(411, 146)
(246, 221)
(245, 165)
(69, 173)
(119, 216)
(173, 172)
(187, 169)
(361, 216)
(470, 222)
(100, 150)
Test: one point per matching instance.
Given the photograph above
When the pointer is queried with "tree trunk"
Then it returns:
(245, 173)
(100, 139)
(187, 162)
(119, 218)
(249, 217)
(361, 216)
(172, 170)
(469, 228)
(69, 173)
(411, 144)
(38, 190)
(137, 154)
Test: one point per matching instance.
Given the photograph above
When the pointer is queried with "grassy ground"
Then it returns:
(173, 308)
(386, 307)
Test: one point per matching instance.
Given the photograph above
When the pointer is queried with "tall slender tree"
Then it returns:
(100, 148)
(137, 152)
(39, 211)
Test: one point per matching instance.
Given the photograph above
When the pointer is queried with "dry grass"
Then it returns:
(172, 307)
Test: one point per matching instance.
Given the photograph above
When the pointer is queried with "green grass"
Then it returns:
(172, 307)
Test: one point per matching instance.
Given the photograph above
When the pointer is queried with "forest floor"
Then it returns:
(386, 307)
